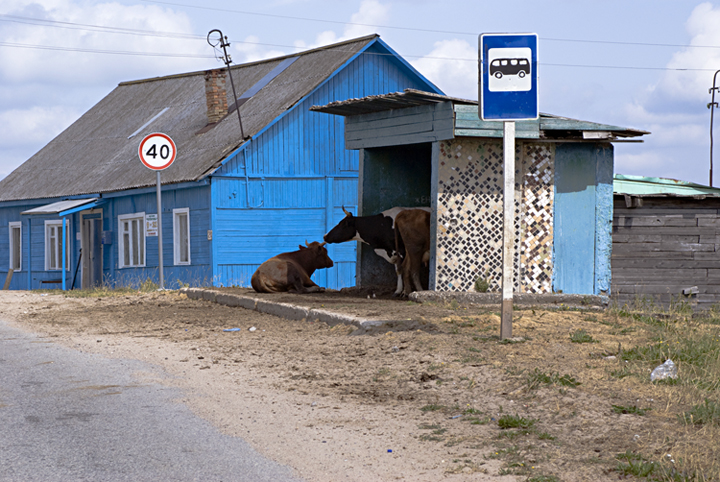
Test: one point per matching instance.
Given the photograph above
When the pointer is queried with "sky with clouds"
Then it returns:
(645, 64)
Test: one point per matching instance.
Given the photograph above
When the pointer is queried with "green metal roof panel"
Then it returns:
(658, 186)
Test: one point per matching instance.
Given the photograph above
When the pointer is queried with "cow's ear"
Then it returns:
(301, 246)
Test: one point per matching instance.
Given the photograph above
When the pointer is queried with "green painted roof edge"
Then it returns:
(649, 186)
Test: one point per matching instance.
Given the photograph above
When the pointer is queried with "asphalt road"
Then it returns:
(72, 416)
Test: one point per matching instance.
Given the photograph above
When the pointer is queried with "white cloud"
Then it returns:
(251, 50)
(77, 67)
(43, 91)
(34, 124)
(703, 26)
(371, 12)
(448, 68)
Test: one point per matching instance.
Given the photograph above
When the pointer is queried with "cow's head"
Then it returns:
(319, 254)
(344, 231)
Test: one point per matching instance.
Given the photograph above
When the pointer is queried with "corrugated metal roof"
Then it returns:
(379, 103)
(60, 206)
(659, 187)
(413, 98)
(94, 154)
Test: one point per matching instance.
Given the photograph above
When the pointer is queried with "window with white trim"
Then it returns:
(131, 240)
(53, 246)
(16, 246)
(181, 235)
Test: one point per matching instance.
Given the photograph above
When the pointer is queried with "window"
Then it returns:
(16, 246)
(181, 235)
(131, 240)
(53, 246)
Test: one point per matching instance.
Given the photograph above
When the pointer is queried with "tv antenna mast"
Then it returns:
(222, 41)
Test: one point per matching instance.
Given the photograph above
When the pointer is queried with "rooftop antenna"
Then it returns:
(222, 41)
(712, 106)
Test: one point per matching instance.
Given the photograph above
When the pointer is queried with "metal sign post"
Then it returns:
(508, 92)
(157, 152)
(508, 229)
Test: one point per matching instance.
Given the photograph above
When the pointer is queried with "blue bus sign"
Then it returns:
(508, 76)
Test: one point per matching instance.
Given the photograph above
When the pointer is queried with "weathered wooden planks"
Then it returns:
(664, 246)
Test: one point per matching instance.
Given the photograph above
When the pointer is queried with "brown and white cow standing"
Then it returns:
(412, 228)
(292, 271)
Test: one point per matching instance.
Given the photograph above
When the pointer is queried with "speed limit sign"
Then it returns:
(157, 151)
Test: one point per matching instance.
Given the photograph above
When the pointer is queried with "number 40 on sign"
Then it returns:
(157, 151)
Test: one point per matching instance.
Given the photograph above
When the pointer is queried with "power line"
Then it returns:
(179, 35)
(99, 51)
(196, 56)
(415, 29)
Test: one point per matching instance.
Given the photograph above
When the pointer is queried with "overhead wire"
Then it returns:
(186, 36)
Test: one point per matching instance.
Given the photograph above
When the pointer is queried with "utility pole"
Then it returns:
(712, 106)
(223, 42)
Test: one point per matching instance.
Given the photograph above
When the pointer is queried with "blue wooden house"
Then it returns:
(419, 148)
(82, 211)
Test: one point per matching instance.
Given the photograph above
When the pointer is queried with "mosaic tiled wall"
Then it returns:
(470, 215)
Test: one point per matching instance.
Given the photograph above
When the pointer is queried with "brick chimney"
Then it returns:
(215, 95)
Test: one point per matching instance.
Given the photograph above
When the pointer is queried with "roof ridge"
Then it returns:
(256, 62)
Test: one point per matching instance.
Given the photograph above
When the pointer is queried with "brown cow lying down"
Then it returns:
(292, 271)
(412, 226)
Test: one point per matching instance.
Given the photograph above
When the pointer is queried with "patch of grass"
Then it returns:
(543, 478)
(433, 407)
(515, 421)
(706, 413)
(537, 378)
(581, 336)
(630, 410)
(513, 434)
(482, 284)
(425, 426)
(478, 420)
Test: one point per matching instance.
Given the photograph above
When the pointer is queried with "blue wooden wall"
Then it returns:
(197, 274)
(289, 184)
(583, 218)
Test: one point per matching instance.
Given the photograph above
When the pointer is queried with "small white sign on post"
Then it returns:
(157, 152)
(151, 225)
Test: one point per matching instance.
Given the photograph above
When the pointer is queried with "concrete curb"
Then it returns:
(294, 312)
(282, 310)
(546, 301)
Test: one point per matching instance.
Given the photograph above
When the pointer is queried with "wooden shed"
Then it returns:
(229, 203)
(418, 148)
(666, 242)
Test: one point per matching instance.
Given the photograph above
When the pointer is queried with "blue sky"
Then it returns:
(634, 63)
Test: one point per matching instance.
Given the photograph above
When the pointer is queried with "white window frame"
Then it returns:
(177, 248)
(123, 220)
(13, 225)
(56, 226)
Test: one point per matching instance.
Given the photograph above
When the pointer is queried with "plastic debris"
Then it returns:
(231, 329)
(456, 416)
(389, 451)
(666, 370)
(252, 328)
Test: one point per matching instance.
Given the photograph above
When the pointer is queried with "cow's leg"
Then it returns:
(398, 272)
(300, 282)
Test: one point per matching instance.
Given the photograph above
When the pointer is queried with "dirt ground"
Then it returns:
(422, 398)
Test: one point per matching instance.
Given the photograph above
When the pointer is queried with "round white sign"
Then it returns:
(157, 151)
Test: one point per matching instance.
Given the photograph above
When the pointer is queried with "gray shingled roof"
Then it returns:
(94, 154)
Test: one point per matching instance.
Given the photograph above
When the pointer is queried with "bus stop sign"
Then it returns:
(508, 76)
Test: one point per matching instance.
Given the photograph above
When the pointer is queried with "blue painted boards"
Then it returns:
(583, 211)
(289, 184)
